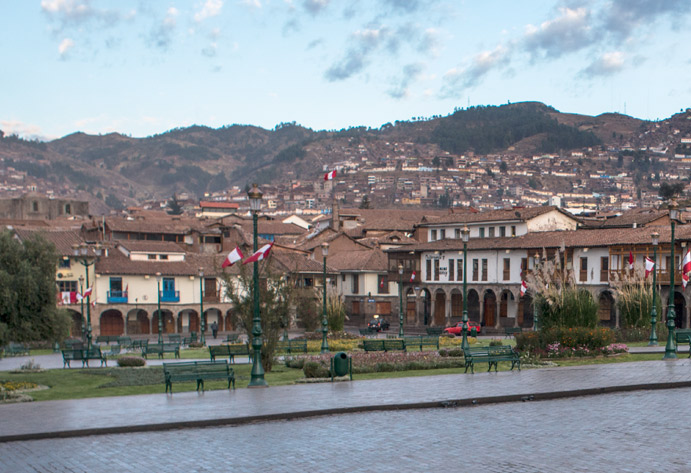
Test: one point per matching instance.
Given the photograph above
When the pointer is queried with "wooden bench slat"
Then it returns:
(197, 371)
(492, 356)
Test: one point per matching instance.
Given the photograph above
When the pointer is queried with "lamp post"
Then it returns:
(465, 234)
(653, 311)
(400, 300)
(417, 301)
(670, 348)
(325, 321)
(81, 251)
(81, 291)
(536, 324)
(257, 376)
(202, 317)
(160, 319)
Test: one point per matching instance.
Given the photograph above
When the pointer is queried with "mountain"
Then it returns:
(200, 159)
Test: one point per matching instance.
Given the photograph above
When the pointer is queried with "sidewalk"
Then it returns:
(52, 419)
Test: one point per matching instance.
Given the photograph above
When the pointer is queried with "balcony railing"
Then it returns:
(170, 296)
(117, 297)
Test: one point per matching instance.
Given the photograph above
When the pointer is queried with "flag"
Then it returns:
(232, 258)
(69, 297)
(686, 264)
(631, 260)
(412, 277)
(329, 176)
(649, 265)
(260, 254)
(87, 293)
(79, 297)
(524, 288)
(684, 279)
(381, 283)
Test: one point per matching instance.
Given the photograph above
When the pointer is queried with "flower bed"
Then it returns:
(556, 350)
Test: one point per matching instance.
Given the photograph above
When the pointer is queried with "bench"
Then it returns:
(383, 345)
(683, 335)
(422, 341)
(292, 346)
(232, 337)
(16, 349)
(434, 330)
(138, 344)
(230, 351)
(72, 343)
(197, 371)
(191, 339)
(106, 339)
(491, 356)
(512, 331)
(175, 338)
(83, 355)
(124, 341)
(161, 348)
(114, 350)
(365, 331)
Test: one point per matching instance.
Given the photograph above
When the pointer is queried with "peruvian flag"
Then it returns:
(232, 258)
(684, 279)
(524, 288)
(649, 265)
(260, 254)
(412, 277)
(69, 297)
(686, 264)
(330, 176)
(381, 283)
(631, 260)
(87, 293)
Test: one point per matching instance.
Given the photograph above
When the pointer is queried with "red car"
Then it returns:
(456, 329)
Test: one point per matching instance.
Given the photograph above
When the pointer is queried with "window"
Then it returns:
(507, 269)
(67, 286)
(64, 263)
(436, 270)
(150, 256)
(162, 256)
(308, 282)
(68, 209)
(513, 230)
(116, 285)
(34, 206)
(343, 277)
(482, 232)
(451, 268)
(428, 272)
(502, 231)
(383, 284)
(457, 233)
(356, 308)
(442, 233)
(491, 232)
(383, 308)
(355, 284)
(524, 267)
(484, 269)
(434, 235)
(604, 268)
(460, 269)
(476, 268)
(583, 275)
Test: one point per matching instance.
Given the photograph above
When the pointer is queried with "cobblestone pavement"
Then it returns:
(624, 432)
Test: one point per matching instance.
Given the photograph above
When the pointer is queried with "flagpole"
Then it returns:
(257, 375)
(653, 312)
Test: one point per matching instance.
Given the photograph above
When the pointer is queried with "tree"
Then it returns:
(364, 204)
(669, 191)
(174, 207)
(28, 292)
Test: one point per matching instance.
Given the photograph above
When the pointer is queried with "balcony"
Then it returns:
(117, 297)
(170, 296)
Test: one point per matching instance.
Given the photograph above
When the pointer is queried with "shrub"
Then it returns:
(639, 334)
(495, 342)
(126, 361)
(560, 341)
(315, 369)
(634, 296)
(196, 345)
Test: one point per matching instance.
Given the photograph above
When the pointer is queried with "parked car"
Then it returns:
(378, 325)
(456, 329)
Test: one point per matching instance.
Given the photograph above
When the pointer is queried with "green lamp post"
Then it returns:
(257, 375)
(536, 323)
(400, 300)
(82, 253)
(81, 291)
(325, 320)
(160, 319)
(202, 317)
(653, 311)
(465, 235)
(670, 348)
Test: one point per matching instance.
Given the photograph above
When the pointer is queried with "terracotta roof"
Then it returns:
(503, 215)
(218, 205)
(639, 217)
(365, 260)
(63, 240)
(151, 246)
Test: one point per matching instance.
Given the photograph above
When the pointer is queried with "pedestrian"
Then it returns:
(214, 329)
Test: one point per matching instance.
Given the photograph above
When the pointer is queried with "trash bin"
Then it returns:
(473, 332)
(341, 365)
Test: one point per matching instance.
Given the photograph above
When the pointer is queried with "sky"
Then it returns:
(144, 67)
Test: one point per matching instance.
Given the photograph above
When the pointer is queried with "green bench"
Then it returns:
(512, 331)
(379, 344)
(106, 338)
(230, 351)
(683, 335)
(197, 371)
(124, 341)
(292, 346)
(175, 338)
(434, 330)
(16, 349)
(138, 344)
(232, 338)
(365, 331)
(491, 356)
(422, 341)
(83, 355)
(192, 338)
(161, 348)
(71, 343)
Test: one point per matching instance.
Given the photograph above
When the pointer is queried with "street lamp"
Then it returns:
(465, 234)
(160, 319)
(202, 317)
(400, 300)
(81, 291)
(670, 348)
(325, 322)
(536, 262)
(257, 376)
(417, 290)
(653, 311)
(81, 252)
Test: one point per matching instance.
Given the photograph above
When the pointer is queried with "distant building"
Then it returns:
(34, 206)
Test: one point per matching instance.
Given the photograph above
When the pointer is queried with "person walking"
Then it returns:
(214, 329)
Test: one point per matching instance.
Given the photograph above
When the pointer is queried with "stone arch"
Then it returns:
(507, 309)
(138, 322)
(473, 305)
(439, 307)
(679, 309)
(526, 312)
(456, 305)
(167, 321)
(188, 321)
(111, 323)
(77, 325)
(426, 305)
(489, 308)
(213, 315)
(410, 307)
(229, 321)
(606, 312)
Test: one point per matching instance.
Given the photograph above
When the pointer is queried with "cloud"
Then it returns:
(314, 7)
(71, 13)
(569, 32)
(23, 130)
(356, 58)
(210, 9)
(624, 16)
(162, 35)
(411, 72)
(606, 65)
(252, 3)
(65, 46)
(480, 66)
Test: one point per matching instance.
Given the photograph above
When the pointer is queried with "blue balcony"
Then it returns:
(117, 297)
(170, 296)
